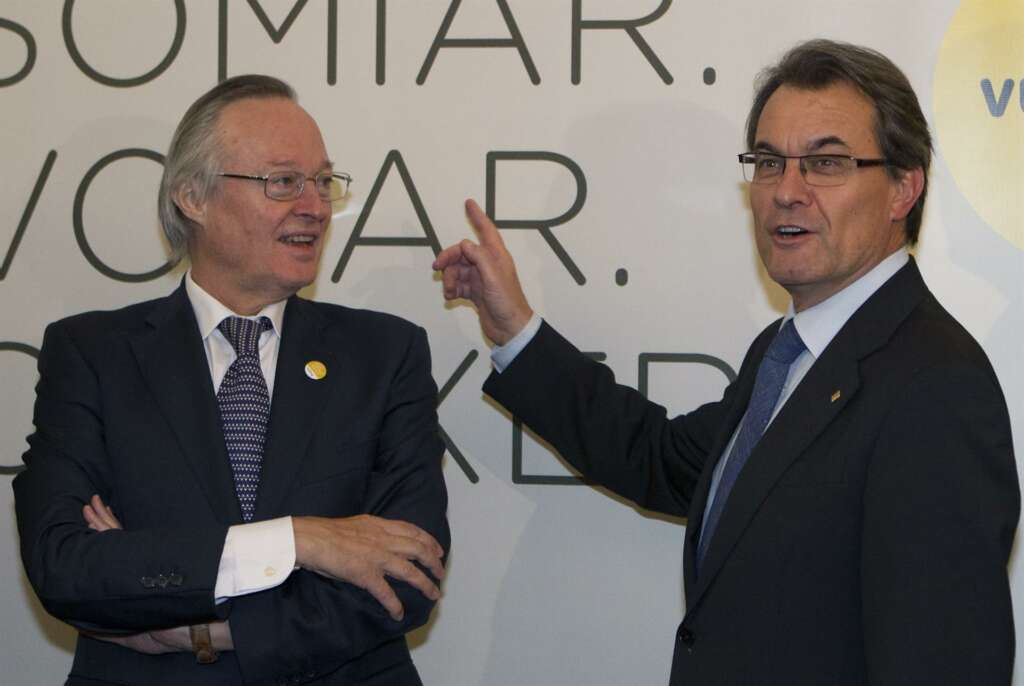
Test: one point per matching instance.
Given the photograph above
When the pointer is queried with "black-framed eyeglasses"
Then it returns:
(288, 185)
(817, 170)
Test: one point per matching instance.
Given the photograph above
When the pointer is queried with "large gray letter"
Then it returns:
(30, 52)
(644, 361)
(26, 216)
(456, 454)
(543, 226)
(83, 243)
(441, 40)
(394, 158)
(277, 34)
(76, 56)
(627, 25)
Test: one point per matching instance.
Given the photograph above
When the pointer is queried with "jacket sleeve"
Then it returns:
(312, 625)
(117, 581)
(940, 507)
(613, 434)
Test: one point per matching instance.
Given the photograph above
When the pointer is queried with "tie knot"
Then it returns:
(243, 334)
(787, 344)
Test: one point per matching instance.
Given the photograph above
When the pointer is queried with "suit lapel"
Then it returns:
(807, 413)
(174, 368)
(297, 404)
(695, 521)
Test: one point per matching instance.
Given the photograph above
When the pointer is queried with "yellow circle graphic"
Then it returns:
(316, 370)
(979, 110)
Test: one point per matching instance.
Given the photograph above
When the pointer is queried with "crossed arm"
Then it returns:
(362, 550)
(358, 576)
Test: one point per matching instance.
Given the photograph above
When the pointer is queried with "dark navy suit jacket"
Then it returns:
(125, 408)
(866, 539)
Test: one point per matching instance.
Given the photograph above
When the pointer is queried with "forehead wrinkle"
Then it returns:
(295, 165)
(819, 143)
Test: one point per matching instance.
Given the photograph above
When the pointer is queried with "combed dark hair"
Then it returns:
(194, 157)
(900, 126)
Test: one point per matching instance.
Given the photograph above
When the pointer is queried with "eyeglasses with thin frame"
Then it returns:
(817, 170)
(288, 185)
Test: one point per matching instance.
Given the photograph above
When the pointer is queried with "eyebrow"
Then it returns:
(762, 146)
(817, 144)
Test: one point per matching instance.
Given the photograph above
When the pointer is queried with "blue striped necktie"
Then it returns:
(244, 408)
(771, 376)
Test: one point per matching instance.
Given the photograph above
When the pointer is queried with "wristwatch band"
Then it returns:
(202, 644)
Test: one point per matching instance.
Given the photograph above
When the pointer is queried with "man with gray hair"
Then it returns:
(233, 484)
(852, 498)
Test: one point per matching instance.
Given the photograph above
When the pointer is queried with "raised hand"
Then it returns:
(485, 273)
(363, 550)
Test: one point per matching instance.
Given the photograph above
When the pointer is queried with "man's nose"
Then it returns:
(792, 188)
(309, 203)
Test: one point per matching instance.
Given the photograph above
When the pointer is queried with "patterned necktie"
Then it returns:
(771, 375)
(244, 407)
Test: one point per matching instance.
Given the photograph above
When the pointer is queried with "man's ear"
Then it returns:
(906, 190)
(188, 203)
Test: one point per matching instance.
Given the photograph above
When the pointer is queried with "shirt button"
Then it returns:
(269, 571)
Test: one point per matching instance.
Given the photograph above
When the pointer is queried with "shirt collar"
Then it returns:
(210, 312)
(818, 325)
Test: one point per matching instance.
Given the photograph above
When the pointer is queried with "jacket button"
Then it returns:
(161, 581)
(175, 579)
(147, 582)
(686, 637)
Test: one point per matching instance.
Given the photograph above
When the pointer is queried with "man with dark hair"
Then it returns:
(232, 484)
(852, 499)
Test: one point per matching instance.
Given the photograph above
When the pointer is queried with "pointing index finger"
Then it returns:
(485, 228)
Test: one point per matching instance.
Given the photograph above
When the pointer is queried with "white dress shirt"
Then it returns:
(258, 555)
(816, 325)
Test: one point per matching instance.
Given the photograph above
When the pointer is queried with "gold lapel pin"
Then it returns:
(316, 370)
(835, 396)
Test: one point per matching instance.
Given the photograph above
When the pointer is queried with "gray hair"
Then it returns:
(194, 157)
(900, 126)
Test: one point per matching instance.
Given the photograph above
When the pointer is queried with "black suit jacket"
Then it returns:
(125, 408)
(867, 537)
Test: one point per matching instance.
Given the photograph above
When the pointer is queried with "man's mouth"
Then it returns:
(299, 239)
(787, 230)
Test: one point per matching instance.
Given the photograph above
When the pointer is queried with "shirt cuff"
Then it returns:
(503, 355)
(256, 557)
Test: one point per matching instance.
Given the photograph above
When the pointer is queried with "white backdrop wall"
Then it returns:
(551, 582)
